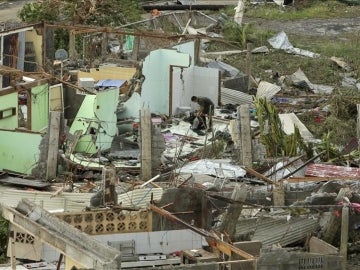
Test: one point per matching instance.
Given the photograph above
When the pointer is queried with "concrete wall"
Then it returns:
(8, 101)
(195, 209)
(165, 242)
(39, 107)
(20, 151)
(155, 91)
(194, 81)
(97, 120)
(282, 260)
(158, 147)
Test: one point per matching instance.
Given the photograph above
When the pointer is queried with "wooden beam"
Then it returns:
(217, 243)
(259, 175)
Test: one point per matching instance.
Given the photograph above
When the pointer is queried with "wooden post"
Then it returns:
(358, 126)
(72, 51)
(344, 236)
(136, 48)
(245, 135)
(248, 64)
(231, 216)
(104, 44)
(145, 126)
(54, 130)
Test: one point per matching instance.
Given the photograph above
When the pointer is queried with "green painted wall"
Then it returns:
(19, 151)
(97, 114)
(7, 101)
(39, 107)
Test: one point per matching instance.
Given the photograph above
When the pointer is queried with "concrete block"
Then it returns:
(251, 247)
(280, 259)
(317, 245)
(87, 82)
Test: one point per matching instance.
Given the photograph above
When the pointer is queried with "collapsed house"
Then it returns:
(120, 180)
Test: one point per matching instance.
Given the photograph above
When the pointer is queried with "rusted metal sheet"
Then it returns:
(325, 170)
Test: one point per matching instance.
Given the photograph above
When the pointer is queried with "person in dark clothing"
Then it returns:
(206, 109)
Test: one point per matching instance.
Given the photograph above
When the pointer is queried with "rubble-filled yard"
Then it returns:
(103, 167)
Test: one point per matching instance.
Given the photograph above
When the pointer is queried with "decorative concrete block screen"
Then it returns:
(109, 221)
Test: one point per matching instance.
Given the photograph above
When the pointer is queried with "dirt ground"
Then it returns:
(9, 10)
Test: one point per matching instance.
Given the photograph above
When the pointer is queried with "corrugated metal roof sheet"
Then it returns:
(230, 96)
(140, 197)
(276, 230)
(68, 201)
(282, 168)
(289, 120)
(267, 90)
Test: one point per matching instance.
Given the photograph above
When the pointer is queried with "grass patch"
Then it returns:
(302, 10)
(320, 70)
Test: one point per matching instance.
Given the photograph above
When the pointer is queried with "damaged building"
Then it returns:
(101, 170)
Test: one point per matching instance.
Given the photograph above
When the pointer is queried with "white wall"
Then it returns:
(165, 242)
(156, 87)
(195, 81)
(158, 242)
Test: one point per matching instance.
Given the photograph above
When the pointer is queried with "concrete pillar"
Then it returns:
(334, 223)
(12, 250)
(157, 148)
(245, 135)
(278, 195)
(109, 183)
(146, 145)
(53, 149)
(344, 236)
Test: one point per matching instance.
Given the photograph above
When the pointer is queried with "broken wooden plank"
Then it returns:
(24, 182)
(219, 244)
(259, 175)
(319, 179)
